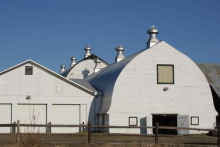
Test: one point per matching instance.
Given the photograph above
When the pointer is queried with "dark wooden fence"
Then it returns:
(89, 127)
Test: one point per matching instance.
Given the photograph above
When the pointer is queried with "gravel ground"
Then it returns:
(120, 140)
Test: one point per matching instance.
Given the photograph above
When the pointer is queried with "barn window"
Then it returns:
(133, 121)
(165, 74)
(194, 120)
(28, 70)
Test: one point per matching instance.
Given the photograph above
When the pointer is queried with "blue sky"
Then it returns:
(51, 31)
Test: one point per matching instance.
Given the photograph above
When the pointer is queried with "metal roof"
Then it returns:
(104, 80)
(86, 84)
(212, 74)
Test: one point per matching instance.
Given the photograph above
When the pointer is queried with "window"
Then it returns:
(133, 121)
(194, 120)
(28, 70)
(165, 74)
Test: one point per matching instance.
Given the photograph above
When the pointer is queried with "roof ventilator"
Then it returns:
(120, 55)
(153, 36)
(87, 49)
(73, 59)
(62, 68)
(97, 65)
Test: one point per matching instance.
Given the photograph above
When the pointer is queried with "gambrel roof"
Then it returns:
(73, 83)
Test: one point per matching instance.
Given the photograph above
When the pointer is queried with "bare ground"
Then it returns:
(119, 140)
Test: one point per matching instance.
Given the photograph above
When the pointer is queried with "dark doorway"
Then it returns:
(165, 120)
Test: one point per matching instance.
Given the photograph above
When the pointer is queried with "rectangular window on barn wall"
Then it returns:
(165, 74)
(28, 70)
(194, 120)
(133, 121)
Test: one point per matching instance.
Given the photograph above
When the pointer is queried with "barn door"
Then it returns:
(183, 122)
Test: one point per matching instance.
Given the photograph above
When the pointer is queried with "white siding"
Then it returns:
(83, 69)
(43, 88)
(32, 114)
(83, 114)
(68, 115)
(136, 92)
(5, 114)
(41, 83)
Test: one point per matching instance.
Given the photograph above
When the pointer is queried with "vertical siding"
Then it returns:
(41, 83)
(43, 88)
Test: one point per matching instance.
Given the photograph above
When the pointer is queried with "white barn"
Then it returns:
(29, 88)
(156, 84)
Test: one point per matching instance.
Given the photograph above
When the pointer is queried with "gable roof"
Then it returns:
(77, 85)
(92, 56)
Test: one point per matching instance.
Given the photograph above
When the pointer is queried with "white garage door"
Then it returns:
(5, 115)
(65, 114)
(32, 114)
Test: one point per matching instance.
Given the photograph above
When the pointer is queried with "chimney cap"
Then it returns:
(87, 48)
(119, 48)
(152, 30)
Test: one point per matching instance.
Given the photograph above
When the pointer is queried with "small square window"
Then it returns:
(194, 120)
(28, 70)
(165, 74)
(133, 121)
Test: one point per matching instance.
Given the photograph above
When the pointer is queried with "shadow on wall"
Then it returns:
(93, 117)
(143, 124)
(85, 73)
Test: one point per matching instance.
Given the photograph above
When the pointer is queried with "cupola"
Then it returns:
(120, 55)
(153, 38)
(87, 49)
(73, 59)
(62, 68)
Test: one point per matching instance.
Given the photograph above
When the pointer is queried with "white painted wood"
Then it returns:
(41, 83)
(83, 69)
(130, 89)
(83, 114)
(43, 88)
(67, 115)
(5, 114)
(32, 114)
(183, 122)
(136, 92)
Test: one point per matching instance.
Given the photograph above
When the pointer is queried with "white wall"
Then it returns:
(85, 67)
(43, 88)
(136, 92)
